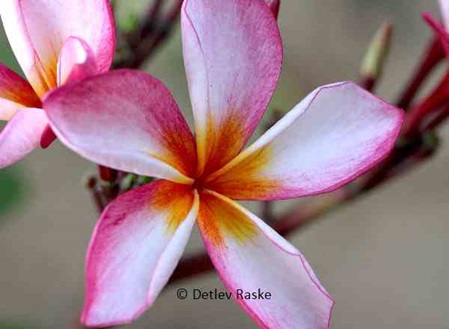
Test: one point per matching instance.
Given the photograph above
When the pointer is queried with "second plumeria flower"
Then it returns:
(55, 42)
(129, 121)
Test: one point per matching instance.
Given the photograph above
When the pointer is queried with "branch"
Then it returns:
(433, 55)
(150, 36)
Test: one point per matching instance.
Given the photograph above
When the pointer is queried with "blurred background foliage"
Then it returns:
(12, 189)
(15, 326)
(12, 185)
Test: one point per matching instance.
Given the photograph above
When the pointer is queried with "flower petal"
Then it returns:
(126, 120)
(37, 30)
(250, 256)
(233, 55)
(15, 92)
(134, 250)
(21, 135)
(444, 7)
(76, 61)
(333, 136)
(274, 6)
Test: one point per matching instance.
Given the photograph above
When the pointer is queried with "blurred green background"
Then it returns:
(11, 180)
(384, 259)
(12, 189)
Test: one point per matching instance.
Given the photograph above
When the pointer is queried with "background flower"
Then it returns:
(55, 42)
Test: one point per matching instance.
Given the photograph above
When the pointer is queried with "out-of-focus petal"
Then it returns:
(126, 120)
(21, 135)
(76, 61)
(233, 55)
(15, 93)
(275, 5)
(444, 7)
(37, 30)
(134, 250)
(334, 135)
(250, 257)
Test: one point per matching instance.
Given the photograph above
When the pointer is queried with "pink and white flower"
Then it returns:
(55, 42)
(129, 121)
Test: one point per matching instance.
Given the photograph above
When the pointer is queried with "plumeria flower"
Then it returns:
(55, 42)
(129, 121)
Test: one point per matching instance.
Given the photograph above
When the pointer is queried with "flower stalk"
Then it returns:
(376, 56)
(418, 114)
(150, 35)
(433, 55)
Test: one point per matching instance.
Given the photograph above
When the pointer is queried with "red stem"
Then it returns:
(151, 35)
(91, 185)
(154, 10)
(433, 55)
(47, 138)
(107, 174)
(191, 266)
(416, 116)
(412, 133)
(170, 22)
(368, 83)
(439, 118)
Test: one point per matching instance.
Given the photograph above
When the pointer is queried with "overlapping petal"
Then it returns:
(125, 120)
(76, 61)
(274, 6)
(37, 30)
(134, 250)
(21, 135)
(249, 256)
(233, 55)
(444, 7)
(334, 135)
(15, 93)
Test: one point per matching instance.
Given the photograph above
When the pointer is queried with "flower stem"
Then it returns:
(150, 35)
(47, 138)
(433, 55)
(375, 58)
(438, 119)
(417, 115)
(107, 174)
(97, 198)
